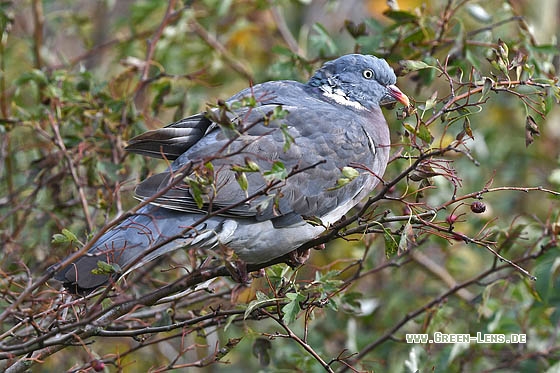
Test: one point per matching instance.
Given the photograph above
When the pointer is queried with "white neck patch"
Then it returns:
(339, 97)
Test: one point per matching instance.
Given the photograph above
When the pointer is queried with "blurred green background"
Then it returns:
(75, 85)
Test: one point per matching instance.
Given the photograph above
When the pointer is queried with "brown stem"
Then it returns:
(301, 342)
(155, 38)
(280, 21)
(38, 21)
(216, 45)
(411, 315)
(73, 171)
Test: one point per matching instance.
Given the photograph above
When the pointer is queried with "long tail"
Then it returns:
(150, 233)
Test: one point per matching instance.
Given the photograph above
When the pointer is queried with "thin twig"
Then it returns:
(73, 171)
(151, 43)
(280, 21)
(298, 340)
(38, 25)
(412, 315)
(218, 47)
(441, 273)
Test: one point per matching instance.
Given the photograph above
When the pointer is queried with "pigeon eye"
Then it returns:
(368, 74)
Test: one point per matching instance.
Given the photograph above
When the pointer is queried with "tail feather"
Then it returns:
(150, 233)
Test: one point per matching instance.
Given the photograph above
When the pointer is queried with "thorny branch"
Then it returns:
(434, 302)
(40, 321)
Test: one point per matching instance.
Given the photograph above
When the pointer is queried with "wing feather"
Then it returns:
(315, 160)
(171, 141)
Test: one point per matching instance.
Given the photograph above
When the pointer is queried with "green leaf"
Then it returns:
(430, 102)
(278, 274)
(238, 168)
(292, 309)
(65, 237)
(277, 172)
(250, 166)
(241, 178)
(350, 172)
(58, 238)
(37, 76)
(162, 89)
(230, 321)
(415, 37)
(209, 166)
(503, 51)
(288, 138)
(421, 131)
(196, 192)
(262, 296)
(281, 50)
(104, 268)
(332, 304)
(408, 66)
(350, 302)
(278, 113)
(71, 236)
(316, 221)
(512, 236)
(488, 84)
(471, 59)
(356, 30)
(424, 133)
(400, 16)
(549, 100)
(328, 281)
(261, 301)
(467, 127)
(340, 182)
(250, 101)
(391, 244)
(322, 41)
(548, 276)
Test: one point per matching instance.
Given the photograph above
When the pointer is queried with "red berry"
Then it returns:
(97, 365)
(451, 218)
(478, 207)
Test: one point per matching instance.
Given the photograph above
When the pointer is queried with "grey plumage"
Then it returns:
(332, 122)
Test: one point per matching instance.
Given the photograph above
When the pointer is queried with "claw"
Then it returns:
(297, 257)
(238, 271)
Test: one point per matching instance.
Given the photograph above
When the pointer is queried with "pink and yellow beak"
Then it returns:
(396, 94)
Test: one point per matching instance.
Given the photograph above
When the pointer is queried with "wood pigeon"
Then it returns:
(258, 175)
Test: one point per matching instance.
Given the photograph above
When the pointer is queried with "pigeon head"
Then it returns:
(359, 81)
